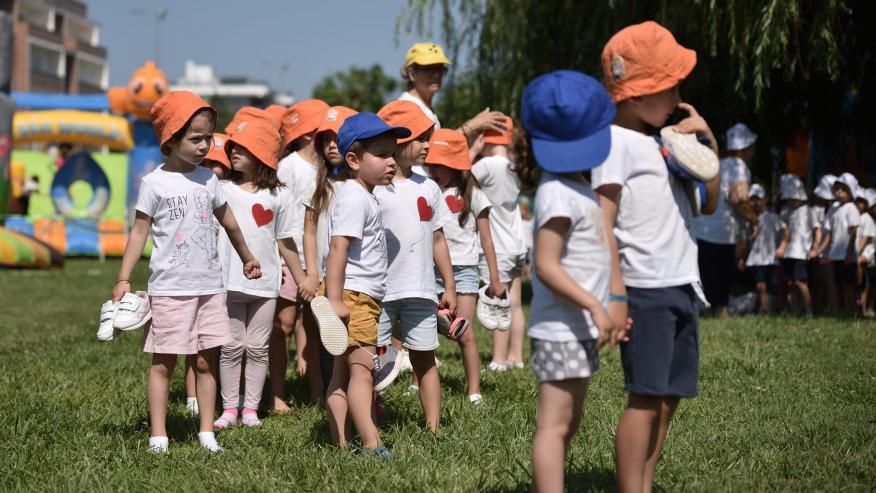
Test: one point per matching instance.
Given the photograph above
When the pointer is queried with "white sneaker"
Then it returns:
(105, 331)
(133, 311)
(404, 363)
(158, 445)
(493, 366)
(686, 156)
(494, 313)
(476, 399)
(332, 331)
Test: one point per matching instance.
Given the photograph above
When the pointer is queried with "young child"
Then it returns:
(824, 295)
(501, 185)
(572, 257)
(265, 212)
(761, 260)
(355, 275)
(297, 171)
(870, 254)
(842, 228)
(647, 210)
(865, 245)
(176, 201)
(469, 226)
(803, 240)
(413, 212)
(317, 201)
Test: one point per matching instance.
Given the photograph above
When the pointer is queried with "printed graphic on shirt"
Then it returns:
(180, 255)
(261, 215)
(203, 237)
(455, 204)
(426, 213)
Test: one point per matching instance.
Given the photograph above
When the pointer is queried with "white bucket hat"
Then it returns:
(824, 190)
(757, 191)
(850, 181)
(739, 137)
(791, 187)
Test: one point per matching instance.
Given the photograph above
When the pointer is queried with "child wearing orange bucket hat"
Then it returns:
(177, 201)
(449, 165)
(264, 208)
(643, 66)
(297, 170)
(216, 160)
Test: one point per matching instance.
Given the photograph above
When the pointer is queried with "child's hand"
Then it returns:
(307, 289)
(812, 253)
(487, 120)
(120, 289)
(618, 312)
(603, 322)
(497, 289)
(780, 252)
(341, 310)
(694, 123)
(863, 261)
(252, 269)
(448, 299)
(740, 264)
(621, 332)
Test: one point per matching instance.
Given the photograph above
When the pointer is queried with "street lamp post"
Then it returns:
(159, 15)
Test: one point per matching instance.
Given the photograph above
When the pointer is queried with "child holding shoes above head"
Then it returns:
(449, 165)
(761, 260)
(355, 276)
(177, 202)
(265, 212)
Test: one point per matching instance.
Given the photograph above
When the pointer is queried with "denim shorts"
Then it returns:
(412, 320)
(466, 277)
(662, 357)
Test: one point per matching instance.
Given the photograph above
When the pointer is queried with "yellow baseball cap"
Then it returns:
(426, 54)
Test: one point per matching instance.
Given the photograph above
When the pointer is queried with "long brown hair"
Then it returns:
(524, 163)
(465, 183)
(324, 190)
(263, 177)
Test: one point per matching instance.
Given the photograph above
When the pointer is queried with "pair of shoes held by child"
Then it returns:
(130, 313)
(449, 325)
(494, 312)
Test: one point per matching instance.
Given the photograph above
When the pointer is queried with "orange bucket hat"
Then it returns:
(172, 112)
(217, 152)
(255, 131)
(302, 118)
(406, 114)
(248, 111)
(277, 111)
(644, 59)
(334, 118)
(448, 148)
(500, 138)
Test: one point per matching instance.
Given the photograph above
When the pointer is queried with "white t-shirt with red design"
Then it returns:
(463, 241)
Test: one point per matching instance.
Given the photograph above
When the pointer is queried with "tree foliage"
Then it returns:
(364, 89)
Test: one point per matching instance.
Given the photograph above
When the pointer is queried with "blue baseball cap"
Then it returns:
(365, 125)
(568, 118)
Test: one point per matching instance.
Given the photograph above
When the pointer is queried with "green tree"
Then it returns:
(785, 66)
(363, 89)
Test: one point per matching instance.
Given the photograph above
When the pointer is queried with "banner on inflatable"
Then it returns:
(74, 127)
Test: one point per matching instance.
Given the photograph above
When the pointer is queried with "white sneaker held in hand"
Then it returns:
(133, 311)
(105, 330)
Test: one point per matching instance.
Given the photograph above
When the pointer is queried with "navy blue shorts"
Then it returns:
(870, 278)
(796, 269)
(762, 273)
(662, 357)
(845, 274)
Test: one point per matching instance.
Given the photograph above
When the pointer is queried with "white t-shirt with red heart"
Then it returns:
(463, 241)
(413, 208)
(264, 217)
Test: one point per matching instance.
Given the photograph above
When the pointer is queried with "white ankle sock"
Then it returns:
(208, 441)
(158, 445)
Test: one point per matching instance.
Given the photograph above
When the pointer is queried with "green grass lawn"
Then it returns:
(785, 405)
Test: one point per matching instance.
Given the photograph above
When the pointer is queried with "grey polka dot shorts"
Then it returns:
(555, 361)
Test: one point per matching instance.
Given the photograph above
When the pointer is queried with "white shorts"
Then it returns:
(510, 266)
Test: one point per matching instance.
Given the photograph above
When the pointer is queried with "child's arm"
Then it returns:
(133, 252)
(618, 308)
(496, 289)
(311, 280)
(549, 241)
(694, 123)
(289, 252)
(336, 264)
(816, 242)
(852, 249)
(251, 267)
(786, 234)
(441, 257)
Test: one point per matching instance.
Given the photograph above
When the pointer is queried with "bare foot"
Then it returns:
(280, 407)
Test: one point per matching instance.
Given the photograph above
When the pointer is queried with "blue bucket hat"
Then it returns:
(568, 118)
(365, 125)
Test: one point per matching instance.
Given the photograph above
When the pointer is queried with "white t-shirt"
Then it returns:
(184, 259)
(585, 257)
(818, 215)
(356, 214)
(838, 223)
(763, 248)
(412, 209)
(322, 224)
(720, 226)
(502, 187)
(406, 96)
(298, 175)
(867, 228)
(657, 248)
(264, 217)
(801, 223)
(463, 241)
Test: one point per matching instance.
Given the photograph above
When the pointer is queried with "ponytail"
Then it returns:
(524, 164)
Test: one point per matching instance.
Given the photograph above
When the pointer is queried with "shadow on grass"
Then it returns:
(586, 480)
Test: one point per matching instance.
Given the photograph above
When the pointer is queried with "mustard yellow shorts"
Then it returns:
(364, 314)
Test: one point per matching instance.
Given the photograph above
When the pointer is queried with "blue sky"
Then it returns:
(254, 38)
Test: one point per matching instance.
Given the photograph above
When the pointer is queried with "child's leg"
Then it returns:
(206, 376)
(279, 352)
(311, 354)
(636, 442)
(832, 288)
(559, 413)
(805, 302)
(518, 323)
(359, 393)
(157, 391)
(231, 354)
(668, 405)
(260, 322)
(191, 388)
(300, 345)
(763, 298)
(423, 363)
(337, 405)
(471, 361)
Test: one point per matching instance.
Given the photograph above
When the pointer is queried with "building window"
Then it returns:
(46, 61)
(91, 73)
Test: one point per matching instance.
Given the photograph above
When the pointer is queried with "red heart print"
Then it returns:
(261, 215)
(454, 203)
(424, 209)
